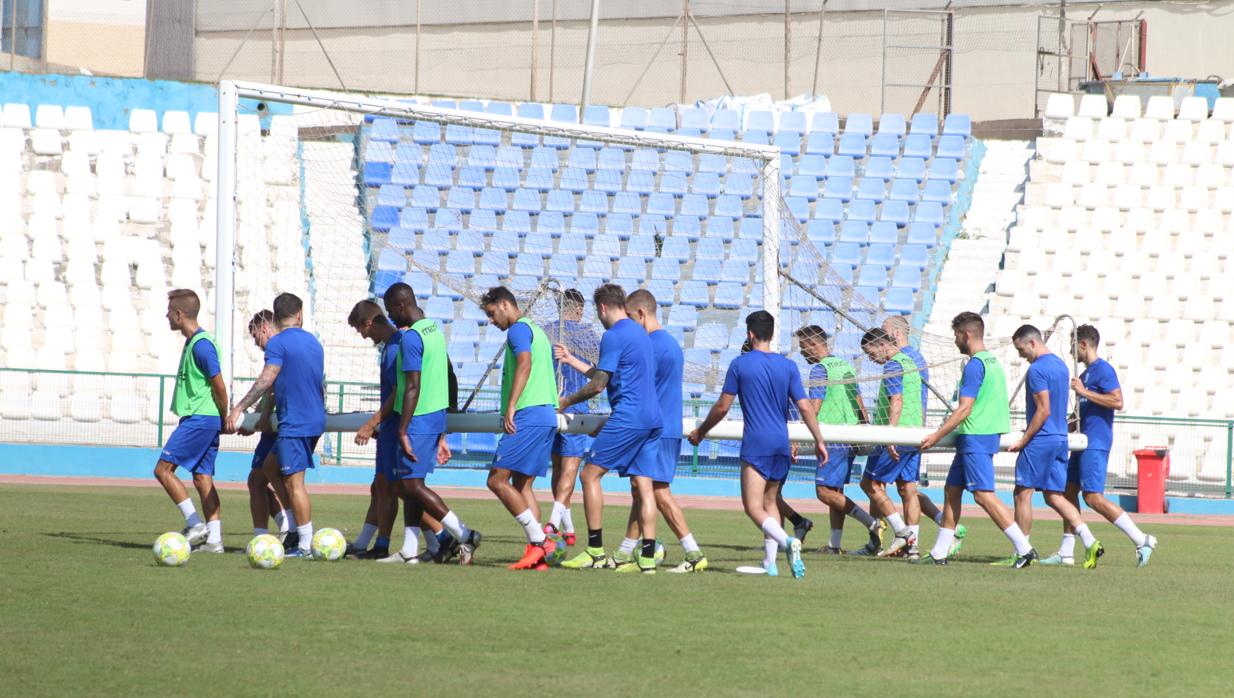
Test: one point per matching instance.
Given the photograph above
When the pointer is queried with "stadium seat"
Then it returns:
(859, 123)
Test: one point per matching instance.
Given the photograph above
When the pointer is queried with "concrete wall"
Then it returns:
(110, 99)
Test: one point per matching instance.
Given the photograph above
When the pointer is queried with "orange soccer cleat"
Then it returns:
(532, 556)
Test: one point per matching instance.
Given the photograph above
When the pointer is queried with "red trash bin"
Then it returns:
(1153, 467)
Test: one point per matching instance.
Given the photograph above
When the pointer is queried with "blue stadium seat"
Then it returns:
(611, 159)
(565, 267)
(619, 224)
(413, 218)
(483, 220)
(873, 276)
(859, 123)
(384, 129)
(792, 122)
(884, 233)
(694, 119)
(583, 159)
(729, 295)
(439, 308)
(507, 178)
(486, 136)
(706, 184)
(852, 145)
(695, 292)
(945, 169)
(642, 183)
(457, 134)
(605, 245)
(426, 197)
(641, 246)
(825, 122)
(445, 103)
(689, 227)
(922, 234)
(516, 222)
(885, 145)
(872, 188)
(442, 154)
(560, 201)
(506, 244)
(391, 195)
(439, 175)
(725, 119)
(760, 120)
(461, 198)
(838, 186)
(527, 200)
(859, 210)
(930, 212)
(500, 108)
(904, 190)
(426, 132)
(661, 204)
(855, 233)
(728, 206)
(812, 166)
(937, 190)
(391, 259)
(744, 250)
(470, 241)
(675, 247)
(911, 168)
(788, 142)
(906, 277)
(756, 137)
(573, 245)
(379, 151)
(449, 219)
(958, 125)
(918, 145)
(805, 186)
(950, 147)
(664, 291)
(597, 115)
(628, 203)
(509, 156)
(925, 123)
(900, 301)
(821, 144)
(821, 233)
(545, 157)
(404, 174)
(799, 207)
(542, 179)
(551, 223)
(829, 209)
(683, 316)
(709, 270)
(564, 113)
(891, 123)
(870, 294)
(720, 229)
(879, 168)
(882, 255)
(674, 183)
(634, 118)
(662, 120)
(635, 268)
(739, 184)
(846, 254)
(710, 247)
(915, 256)
(472, 177)
(594, 202)
(751, 228)
(460, 263)
(403, 239)
(735, 270)
(721, 134)
(606, 182)
(645, 160)
(895, 212)
(841, 166)
(493, 199)
(531, 110)
(376, 173)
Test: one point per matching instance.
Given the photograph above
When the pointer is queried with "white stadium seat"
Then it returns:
(143, 121)
(16, 115)
(1127, 107)
(175, 121)
(1193, 109)
(1159, 108)
(1093, 106)
(49, 116)
(78, 118)
(1059, 106)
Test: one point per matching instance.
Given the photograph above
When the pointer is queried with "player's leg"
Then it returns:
(428, 501)
(259, 501)
(906, 543)
(387, 512)
(1070, 515)
(667, 504)
(203, 481)
(301, 506)
(409, 554)
(1004, 518)
(359, 546)
(183, 449)
(567, 455)
(801, 524)
(593, 509)
(953, 495)
(1023, 512)
(791, 545)
(624, 556)
(646, 508)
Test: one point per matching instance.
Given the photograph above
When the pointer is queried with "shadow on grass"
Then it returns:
(94, 540)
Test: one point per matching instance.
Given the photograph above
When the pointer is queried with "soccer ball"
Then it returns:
(264, 552)
(659, 552)
(171, 549)
(559, 553)
(329, 545)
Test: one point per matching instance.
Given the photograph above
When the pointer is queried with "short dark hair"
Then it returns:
(761, 324)
(642, 298)
(573, 295)
(874, 335)
(1088, 333)
(262, 317)
(185, 300)
(610, 295)
(497, 294)
(286, 305)
(397, 291)
(366, 311)
(813, 332)
(1026, 332)
(968, 321)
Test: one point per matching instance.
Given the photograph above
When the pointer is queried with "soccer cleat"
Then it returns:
(828, 550)
(399, 558)
(375, 553)
(1023, 561)
(928, 559)
(570, 538)
(1005, 562)
(196, 535)
(533, 555)
(646, 565)
(876, 538)
(957, 542)
(694, 562)
(550, 529)
(467, 551)
(292, 540)
(1091, 553)
(771, 570)
(913, 553)
(352, 551)
(302, 553)
(1144, 552)
(793, 553)
(447, 549)
(621, 561)
(542, 567)
(1057, 560)
(589, 559)
(800, 530)
(209, 548)
(868, 550)
(899, 545)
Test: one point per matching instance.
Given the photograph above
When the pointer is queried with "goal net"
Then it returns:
(337, 196)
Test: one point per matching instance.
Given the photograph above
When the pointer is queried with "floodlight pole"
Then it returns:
(592, 35)
(225, 232)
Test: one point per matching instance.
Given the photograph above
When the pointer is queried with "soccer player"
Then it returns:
(421, 399)
(980, 418)
(833, 394)
(568, 449)
(896, 327)
(764, 384)
(669, 364)
(369, 321)
(1099, 395)
(629, 441)
(199, 398)
(528, 418)
(263, 499)
(1042, 463)
(295, 369)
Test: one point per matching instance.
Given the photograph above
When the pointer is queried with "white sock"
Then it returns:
(775, 531)
(431, 543)
(455, 527)
(1067, 547)
(942, 544)
(915, 531)
(411, 541)
(688, 544)
(290, 517)
(1086, 536)
(306, 535)
(861, 516)
(627, 545)
(1018, 539)
(567, 521)
(282, 520)
(554, 519)
(535, 533)
(837, 535)
(191, 517)
(261, 531)
(366, 536)
(769, 552)
(897, 523)
(938, 518)
(214, 531)
(1126, 525)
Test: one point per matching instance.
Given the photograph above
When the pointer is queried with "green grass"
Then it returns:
(83, 609)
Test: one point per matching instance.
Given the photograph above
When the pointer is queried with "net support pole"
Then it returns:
(593, 32)
(225, 232)
(771, 242)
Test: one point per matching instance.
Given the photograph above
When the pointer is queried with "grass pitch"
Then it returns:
(84, 610)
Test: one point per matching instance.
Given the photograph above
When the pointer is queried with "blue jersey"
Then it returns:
(298, 398)
(818, 382)
(1049, 372)
(970, 384)
(388, 363)
(1097, 422)
(625, 355)
(207, 359)
(670, 362)
(764, 384)
(580, 336)
(912, 353)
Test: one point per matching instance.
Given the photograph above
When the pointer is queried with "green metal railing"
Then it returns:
(132, 409)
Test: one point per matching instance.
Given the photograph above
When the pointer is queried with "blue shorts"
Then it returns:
(388, 449)
(192, 449)
(264, 446)
(770, 468)
(1042, 465)
(835, 472)
(528, 451)
(571, 445)
(295, 453)
(625, 450)
(662, 465)
(881, 468)
(425, 448)
(1088, 469)
(972, 471)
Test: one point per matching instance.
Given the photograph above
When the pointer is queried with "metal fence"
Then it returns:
(133, 409)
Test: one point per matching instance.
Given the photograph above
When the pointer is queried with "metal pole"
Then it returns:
(1063, 60)
(225, 233)
(654, 56)
(788, 47)
(321, 45)
(711, 54)
(771, 243)
(685, 49)
(592, 35)
(818, 47)
(1229, 459)
(416, 87)
(552, 52)
(535, 45)
(13, 36)
(277, 45)
(949, 39)
(882, 99)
